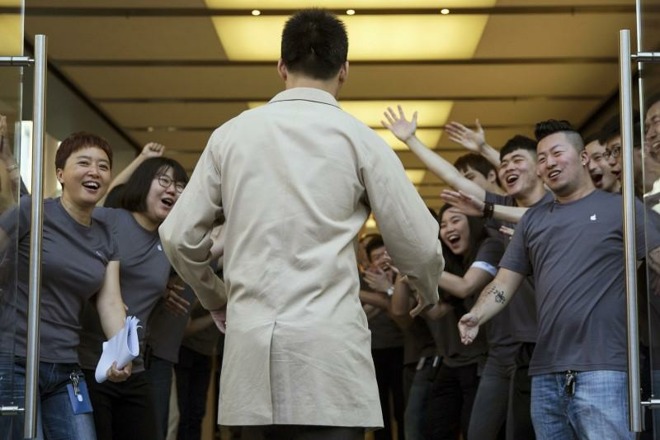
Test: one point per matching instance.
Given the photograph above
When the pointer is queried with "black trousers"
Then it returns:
(125, 410)
(301, 432)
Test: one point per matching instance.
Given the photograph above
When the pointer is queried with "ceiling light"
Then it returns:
(11, 34)
(256, 12)
(416, 176)
(444, 11)
(416, 37)
(346, 4)
(350, 12)
(150, 129)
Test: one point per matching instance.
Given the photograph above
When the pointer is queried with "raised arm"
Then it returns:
(472, 206)
(152, 149)
(492, 300)
(473, 140)
(404, 130)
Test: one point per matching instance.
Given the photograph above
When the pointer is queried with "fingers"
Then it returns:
(119, 374)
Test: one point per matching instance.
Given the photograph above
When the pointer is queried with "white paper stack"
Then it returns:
(122, 348)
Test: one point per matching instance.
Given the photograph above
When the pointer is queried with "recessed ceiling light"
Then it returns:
(444, 11)
(256, 12)
(150, 129)
(350, 12)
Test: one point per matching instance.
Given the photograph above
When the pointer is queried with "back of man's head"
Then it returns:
(544, 129)
(314, 43)
(475, 161)
(518, 142)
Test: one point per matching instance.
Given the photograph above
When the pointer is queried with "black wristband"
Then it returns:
(489, 208)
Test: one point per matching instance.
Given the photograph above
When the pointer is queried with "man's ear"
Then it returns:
(492, 176)
(282, 70)
(584, 157)
(343, 72)
(58, 174)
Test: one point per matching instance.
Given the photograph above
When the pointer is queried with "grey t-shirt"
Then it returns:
(454, 353)
(74, 261)
(144, 272)
(521, 311)
(575, 253)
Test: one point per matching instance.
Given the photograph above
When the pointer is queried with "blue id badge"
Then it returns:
(79, 395)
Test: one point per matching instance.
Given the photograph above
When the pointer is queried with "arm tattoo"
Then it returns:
(500, 298)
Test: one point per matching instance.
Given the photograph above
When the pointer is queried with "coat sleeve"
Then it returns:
(186, 232)
(409, 230)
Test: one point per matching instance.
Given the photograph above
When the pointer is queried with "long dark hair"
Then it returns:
(459, 264)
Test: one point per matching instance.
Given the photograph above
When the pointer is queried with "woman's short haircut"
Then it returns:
(135, 191)
(78, 141)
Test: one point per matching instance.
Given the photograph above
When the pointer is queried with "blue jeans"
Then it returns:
(417, 417)
(598, 408)
(55, 417)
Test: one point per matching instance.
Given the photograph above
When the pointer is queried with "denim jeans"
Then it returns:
(417, 417)
(55, 417)
(491, 403)
(597, 409)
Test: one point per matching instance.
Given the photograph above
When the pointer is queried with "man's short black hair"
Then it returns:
(544, 129)
(518, 142)
(610, 130)
(654, 98)
(314, 43)
(375, 243)
(475, 161)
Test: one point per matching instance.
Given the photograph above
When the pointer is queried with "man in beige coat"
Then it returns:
(295, 180)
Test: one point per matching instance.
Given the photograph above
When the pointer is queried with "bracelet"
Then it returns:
(390, 290)
(489, 208)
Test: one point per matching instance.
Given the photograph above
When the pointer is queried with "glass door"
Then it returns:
(11, 148)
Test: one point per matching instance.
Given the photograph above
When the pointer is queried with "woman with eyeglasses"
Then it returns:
(150, 186)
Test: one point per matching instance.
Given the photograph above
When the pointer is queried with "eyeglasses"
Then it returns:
(166, 181)
(614, 153)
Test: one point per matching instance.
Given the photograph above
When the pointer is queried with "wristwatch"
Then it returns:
(390, 290)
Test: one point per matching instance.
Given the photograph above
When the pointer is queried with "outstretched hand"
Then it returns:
(468, 326)
(402, 128)
(465, 203)
(472, 140)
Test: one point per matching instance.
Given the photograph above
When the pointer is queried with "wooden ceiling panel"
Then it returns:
(192, 141)
(365, 82)
(156, 4)
(128, 38)
(180, 114)
(554, 35)
(523, 112)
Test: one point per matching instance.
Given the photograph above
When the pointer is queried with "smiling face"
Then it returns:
(162, 196)
(455, 231)
(85, 176)
(380, 258)
(517, 173)
(613, 155)
(652, 127)
(599, 168)
(560, 165)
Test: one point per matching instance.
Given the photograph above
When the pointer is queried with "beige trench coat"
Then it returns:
(296, 179)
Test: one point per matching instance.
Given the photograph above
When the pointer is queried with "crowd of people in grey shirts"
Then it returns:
(527, 341)
(549, 361)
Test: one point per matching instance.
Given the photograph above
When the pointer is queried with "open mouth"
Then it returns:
(597, 179)
(453, 238)
(553, 174)
(167, 201)
(511, 179)
(92, 185)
